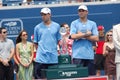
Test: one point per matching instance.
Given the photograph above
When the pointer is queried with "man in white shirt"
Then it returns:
(116, 40)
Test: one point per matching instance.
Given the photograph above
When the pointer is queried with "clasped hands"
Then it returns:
(88, 33)
(5, 62)
(85, 35)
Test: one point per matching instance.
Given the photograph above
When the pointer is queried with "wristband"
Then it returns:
(70, 37)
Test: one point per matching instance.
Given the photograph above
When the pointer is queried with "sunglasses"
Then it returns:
(109, 35)
(42, 14)
(24, 35)
(66, 27)
(81, 10)
(4, 32)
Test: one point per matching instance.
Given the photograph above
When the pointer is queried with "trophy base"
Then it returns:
(64, 59)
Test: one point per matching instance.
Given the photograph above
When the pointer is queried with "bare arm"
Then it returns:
(36, 45)
(92, 38)
(32, 52)
(86, 35)
(5, 61)
(12, 51)
(0, 59)
(78, 35)
(15, 59)
(105, 52)
(18, 54)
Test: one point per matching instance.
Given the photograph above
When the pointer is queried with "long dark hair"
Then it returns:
(62, 25)
(18, 39)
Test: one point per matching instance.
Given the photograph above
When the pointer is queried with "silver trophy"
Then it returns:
(63, 47)
(64, 58)
(63, 31)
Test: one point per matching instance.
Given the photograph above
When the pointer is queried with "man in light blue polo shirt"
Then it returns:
(46, 38)
(84, 32)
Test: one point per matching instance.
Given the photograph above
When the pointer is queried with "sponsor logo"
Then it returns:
(67, 73)
(13, 26)
(10, 24)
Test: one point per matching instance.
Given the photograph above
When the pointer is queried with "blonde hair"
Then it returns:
(106, 37)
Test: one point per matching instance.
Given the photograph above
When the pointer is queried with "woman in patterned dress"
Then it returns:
(24, 52)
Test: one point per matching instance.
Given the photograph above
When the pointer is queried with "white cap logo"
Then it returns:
(83, 7)
(45, 10)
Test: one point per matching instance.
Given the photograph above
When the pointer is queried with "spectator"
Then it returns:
(68, 42)
(99, 58)
(84, 32)
(116, 40)
(46, 38)
(24, 52)
(6, 54)
(109, 53)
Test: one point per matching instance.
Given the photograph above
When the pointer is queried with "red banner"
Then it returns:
(84, 78)
(93, 78)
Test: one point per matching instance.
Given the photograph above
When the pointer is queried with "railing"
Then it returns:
(40, 2)
(26, 2)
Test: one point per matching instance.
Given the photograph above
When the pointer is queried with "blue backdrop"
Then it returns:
(26, 18)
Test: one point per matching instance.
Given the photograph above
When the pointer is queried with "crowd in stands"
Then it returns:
(40, 2)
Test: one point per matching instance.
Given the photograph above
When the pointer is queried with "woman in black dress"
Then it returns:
(109, 53)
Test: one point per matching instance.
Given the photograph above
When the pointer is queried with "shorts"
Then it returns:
(99, 61)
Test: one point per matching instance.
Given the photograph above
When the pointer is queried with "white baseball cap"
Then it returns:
(83, 7)
(45, 10)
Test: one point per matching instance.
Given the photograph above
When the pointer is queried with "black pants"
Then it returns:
(86, 63)
(6, 72)
(38, 67)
